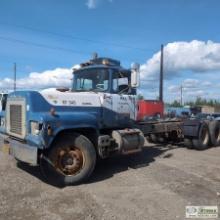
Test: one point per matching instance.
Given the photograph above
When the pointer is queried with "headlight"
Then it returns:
(35, 127)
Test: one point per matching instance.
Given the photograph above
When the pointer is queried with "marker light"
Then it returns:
(105, 62)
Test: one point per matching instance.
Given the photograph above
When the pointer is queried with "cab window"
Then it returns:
(120, 82)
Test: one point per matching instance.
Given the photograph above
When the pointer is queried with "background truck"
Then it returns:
(65, 131)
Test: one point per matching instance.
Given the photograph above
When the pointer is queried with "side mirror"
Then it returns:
(135, 75)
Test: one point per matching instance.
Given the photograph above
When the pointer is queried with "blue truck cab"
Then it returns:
(65, 130)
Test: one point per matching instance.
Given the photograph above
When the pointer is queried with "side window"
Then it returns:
(120, 82)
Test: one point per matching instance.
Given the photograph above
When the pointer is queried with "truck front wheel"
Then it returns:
(71, 160)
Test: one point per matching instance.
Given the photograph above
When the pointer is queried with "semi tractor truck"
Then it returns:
(65, 131)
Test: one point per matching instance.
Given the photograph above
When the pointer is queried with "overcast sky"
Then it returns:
(47, 37)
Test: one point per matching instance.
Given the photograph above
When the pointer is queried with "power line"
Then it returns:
(78, 38)
(14, 40)
(41, 45)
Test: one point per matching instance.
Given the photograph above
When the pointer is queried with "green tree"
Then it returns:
(175, 103)
(202, 101)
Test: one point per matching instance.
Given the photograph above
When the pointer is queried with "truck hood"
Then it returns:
(69, 98)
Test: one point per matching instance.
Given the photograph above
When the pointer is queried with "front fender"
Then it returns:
(67, 121)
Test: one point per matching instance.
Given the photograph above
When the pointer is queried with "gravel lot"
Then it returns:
(156, 184)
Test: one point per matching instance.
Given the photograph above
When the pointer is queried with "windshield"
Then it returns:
(91, 80)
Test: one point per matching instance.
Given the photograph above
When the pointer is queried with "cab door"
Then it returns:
(125, 108)
(119, 107)
(124, 102)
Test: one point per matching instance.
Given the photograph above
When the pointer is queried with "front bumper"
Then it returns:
(20, 151)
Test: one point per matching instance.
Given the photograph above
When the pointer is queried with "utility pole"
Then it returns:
(15, 76)
(181, 95)
(161, 75)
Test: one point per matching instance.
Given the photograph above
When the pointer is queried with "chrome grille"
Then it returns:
(16, 119)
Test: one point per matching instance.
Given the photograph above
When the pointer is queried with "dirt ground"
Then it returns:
(156, 184)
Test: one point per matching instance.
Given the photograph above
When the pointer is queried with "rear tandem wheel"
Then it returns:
(214, 129)
(203, 139)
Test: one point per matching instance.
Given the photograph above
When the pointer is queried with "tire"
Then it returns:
(188, 143)
(203, 139)
(71, 160)
(214, 130)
